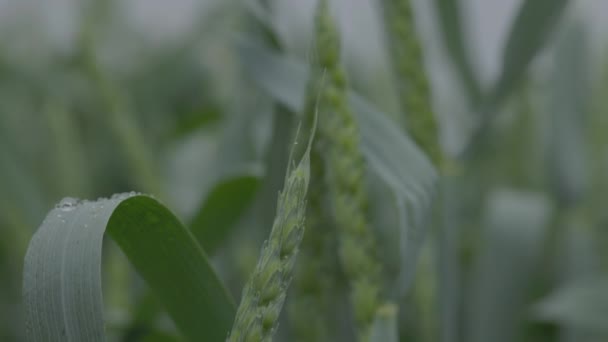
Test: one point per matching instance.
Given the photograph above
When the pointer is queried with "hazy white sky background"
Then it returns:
(488, 21)
(37, 28)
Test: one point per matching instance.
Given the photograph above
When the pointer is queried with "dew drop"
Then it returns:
(124, 195)
(67, 204)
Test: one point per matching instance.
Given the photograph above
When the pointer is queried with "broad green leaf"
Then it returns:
(532, 27)
(222, 209)
(62, 273)
(450, 20)
(582, 304)
(515, 225)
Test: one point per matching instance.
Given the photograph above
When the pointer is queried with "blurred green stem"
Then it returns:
(70, 163)
(18, 229)
(122, 121)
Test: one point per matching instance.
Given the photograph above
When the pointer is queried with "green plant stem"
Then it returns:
(122, 122)
(18, 229)
(70, 156)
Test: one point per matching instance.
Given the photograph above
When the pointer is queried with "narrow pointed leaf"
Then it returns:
(450, 19)
(534, 24)
(222, 209)
(569, 106)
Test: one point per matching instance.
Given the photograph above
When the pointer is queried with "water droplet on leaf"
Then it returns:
(67, 204)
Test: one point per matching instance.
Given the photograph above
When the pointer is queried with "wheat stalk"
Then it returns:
(339, 136)
(411, 79)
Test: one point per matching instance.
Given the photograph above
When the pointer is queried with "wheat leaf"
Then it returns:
(534, 24)
(222, 209)
(62, 273)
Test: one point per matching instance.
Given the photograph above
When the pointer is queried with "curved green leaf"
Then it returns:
(222, 209)
(62, 273)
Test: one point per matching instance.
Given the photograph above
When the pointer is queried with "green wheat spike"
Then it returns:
(412, 82)
(310, 304)
(264, 294)
(345, 167)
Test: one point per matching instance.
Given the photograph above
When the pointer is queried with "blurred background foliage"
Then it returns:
(100, 97)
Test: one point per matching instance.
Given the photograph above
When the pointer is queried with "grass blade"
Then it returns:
(62, 274)
(511, 246)
(569, 107)
(532, 27)
(535, 22)
(222, 209)
(450, 20)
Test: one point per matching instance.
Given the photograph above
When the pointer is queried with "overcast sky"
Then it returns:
(162, 19)
(54, 24)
